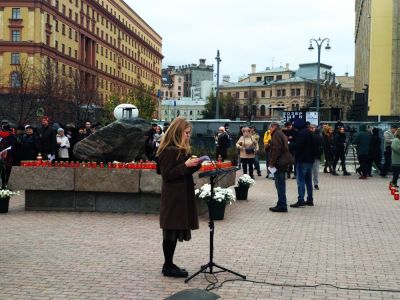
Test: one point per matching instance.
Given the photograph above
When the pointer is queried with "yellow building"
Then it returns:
(265, 95)
(377, 64)
(103, 43)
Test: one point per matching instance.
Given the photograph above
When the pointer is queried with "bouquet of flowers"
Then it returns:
(246, 181)
(6, 193)
(220, 194)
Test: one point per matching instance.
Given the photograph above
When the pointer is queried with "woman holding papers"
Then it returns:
(178, 211)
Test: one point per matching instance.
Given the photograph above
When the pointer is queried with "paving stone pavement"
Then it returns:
(350, 238)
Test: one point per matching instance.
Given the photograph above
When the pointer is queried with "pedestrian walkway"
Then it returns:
(350, 238)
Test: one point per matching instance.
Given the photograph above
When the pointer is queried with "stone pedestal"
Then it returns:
(95, 189)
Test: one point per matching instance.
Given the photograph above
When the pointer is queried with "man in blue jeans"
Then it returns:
(278, 147)
(304, 155)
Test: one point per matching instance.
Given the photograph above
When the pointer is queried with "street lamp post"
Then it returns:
(218, 59)
(319, 43)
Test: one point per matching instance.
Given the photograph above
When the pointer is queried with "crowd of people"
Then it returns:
(49, 142)
(307, 144)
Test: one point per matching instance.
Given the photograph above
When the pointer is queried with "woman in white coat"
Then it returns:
(63, 145)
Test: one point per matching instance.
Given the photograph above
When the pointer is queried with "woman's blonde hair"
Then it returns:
(173, 136)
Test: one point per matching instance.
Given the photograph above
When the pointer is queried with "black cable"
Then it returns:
(213, 286)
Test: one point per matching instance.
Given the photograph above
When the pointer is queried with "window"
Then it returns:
(15, 58)
(16, 14)
(297, 92)
(16, 35)
(69, 51)
(262, 110)
(292, 92)
(262, 94)
(237, 95)
(56, 24)
(62, 48)
(15, 80)
(246, 95)
(63, 29)
(70, 33)
(278, 93)
(63, 9)
(278, 77)
(259, 78)
(56, 45)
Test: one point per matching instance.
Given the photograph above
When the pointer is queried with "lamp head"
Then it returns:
(328, 47)
(311, 47)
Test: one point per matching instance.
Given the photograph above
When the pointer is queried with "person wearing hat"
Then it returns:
(149, 141)
(388, 137)
(63, 145)
(29, 150)
(47, 141)
(7, 139)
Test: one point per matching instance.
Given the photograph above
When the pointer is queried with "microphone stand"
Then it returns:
(211, 264)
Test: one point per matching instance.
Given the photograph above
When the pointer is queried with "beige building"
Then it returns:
(265, 95)
(377, 57)
(103, 43)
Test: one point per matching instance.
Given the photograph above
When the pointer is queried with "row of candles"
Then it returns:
(101, 165)
(208, 166)
(113, 165)
(394, 191)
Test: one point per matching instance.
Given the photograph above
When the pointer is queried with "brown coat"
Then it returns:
(279, 145)
(178, 207)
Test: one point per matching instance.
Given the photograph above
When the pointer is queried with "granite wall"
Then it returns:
(95, 189)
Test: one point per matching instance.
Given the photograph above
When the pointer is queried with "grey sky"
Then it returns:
(264, 32)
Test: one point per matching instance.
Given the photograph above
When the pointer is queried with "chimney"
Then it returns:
(253, 68)
(202, 62)
(287, 66)
(346, 74)
(226, 78)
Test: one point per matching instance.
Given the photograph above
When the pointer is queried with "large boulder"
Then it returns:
(122, 140)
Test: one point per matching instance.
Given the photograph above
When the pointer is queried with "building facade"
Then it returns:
(179, 81)
(188, 108)
(377, 57)
(265, 95)
(104, 43)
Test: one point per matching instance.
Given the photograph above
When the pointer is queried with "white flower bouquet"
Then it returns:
(220, 194)
(246, 181)
(6, 193)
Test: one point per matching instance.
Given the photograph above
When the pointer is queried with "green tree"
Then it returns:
(141, 97)
(108, 109)
(226, 107)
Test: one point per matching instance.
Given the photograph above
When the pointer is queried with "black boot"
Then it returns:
(169, 269)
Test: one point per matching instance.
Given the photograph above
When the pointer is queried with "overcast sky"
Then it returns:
(268, 33)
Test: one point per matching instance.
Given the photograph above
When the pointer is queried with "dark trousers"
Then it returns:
(280, 185)
(377, 163)
(364, 163)
(340, 155)
(248, 162)
(257, 164)
(396, 172)
(388, 161)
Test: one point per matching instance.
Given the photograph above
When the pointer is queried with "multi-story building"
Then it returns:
(179, 81)
(265, 95)
(104, 43)
(377, 59)
(186, 107)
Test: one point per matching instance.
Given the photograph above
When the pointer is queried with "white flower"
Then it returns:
(7, 193)
(246, 180)
(220, 194)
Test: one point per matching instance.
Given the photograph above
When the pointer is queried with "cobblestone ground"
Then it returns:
(350, 239)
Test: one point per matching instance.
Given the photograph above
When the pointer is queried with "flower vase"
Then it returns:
(216, 210)
(241, 192)
(4, 203)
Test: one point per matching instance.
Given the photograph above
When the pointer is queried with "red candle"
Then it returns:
(396, 196)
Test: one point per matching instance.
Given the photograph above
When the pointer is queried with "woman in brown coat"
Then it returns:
(178, 211)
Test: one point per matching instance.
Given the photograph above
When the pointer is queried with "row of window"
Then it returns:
(279, 93)
(99, 18)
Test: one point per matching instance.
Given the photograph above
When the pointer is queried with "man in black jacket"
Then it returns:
(304, 156)
(47, 140)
